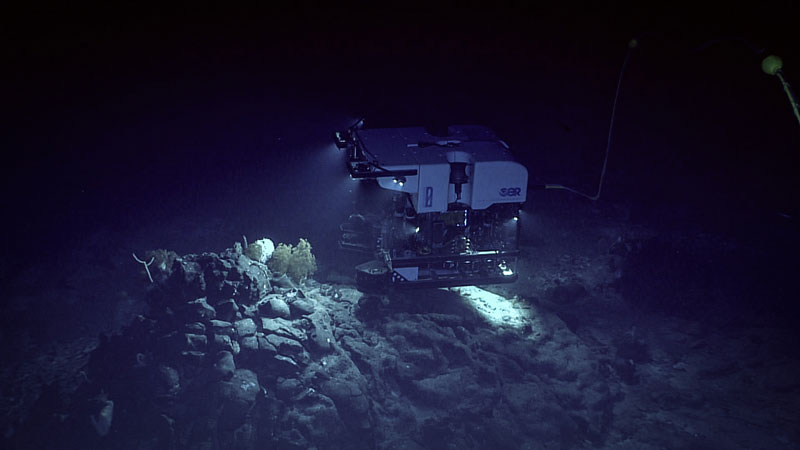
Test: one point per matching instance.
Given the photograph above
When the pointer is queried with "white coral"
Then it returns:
(261, 250)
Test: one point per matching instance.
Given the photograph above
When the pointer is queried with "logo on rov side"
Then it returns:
(428, 197)
(510, 192)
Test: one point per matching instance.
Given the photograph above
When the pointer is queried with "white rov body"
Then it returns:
(492, 174)
(453, 220)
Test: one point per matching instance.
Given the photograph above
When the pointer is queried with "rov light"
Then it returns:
(507, 272)
(340, 140)
(400, 181)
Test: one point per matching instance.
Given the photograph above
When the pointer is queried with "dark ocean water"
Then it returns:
(200, 133)
(240, 125)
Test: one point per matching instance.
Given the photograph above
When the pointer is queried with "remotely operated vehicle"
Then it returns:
(453, 216)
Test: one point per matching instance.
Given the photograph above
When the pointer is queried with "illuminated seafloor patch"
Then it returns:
(499, 311)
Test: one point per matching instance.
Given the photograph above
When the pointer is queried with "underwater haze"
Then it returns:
(661, 315)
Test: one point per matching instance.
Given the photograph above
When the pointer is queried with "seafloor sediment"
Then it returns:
(615, 336)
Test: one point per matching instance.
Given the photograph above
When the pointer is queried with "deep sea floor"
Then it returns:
(617, 335)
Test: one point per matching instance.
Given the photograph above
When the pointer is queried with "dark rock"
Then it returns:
(141, 328)
(224, 342)
(167, 382)
(446, 320)
(287, 388)
(227, 289)
(215, 270)
(195, 341)
(256, 276)
(417, 331)
(626, 371)
(414, 364)
(276, 307)
(419, 374)
(291, 439)
(197, 310)
(635, 350)
(365, 357)
(227, 309)
(195, 327)
(301, 307)
(250, 311)
(243, 262)
(521, 397)
(249, 343)
(244, 437)
(245, 327)
(449, 390)
(222, 327)
(567, 293)
(319, 418)
(175, 342)
(284, 282)
(282, 365)
(444, 432)
(282, 327)
(370, 307)
(192, 357)
(187, 280)
(264, 345)
(236, 396)
(320, 334)
(350, 401)
(223, 368)
(572, 320)
(234, 274)
(346, 390)
(286, 346)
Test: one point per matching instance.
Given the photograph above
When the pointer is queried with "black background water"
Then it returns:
(122, 118)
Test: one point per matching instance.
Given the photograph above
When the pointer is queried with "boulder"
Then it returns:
(275, 306)
(195, 341)
(249, 344)
(236, 396)
(286, 347)
(223, 368)
(350, 401)
(222, 327)
(223, 342)
(282, 327)
(197, 310)
(287, 388)
(195, 328)
(300, 307)
(245, 327)
(187, 280)
(227, 309)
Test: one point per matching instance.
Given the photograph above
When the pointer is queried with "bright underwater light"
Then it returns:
(499, 311)
(506, 270)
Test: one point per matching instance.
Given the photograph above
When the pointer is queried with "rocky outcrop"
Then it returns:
(229, 357)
